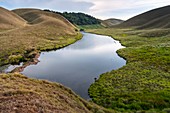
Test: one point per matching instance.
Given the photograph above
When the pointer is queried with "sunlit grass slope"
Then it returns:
(23, 95)
(42, 31)
(9, 20)
(156, 18)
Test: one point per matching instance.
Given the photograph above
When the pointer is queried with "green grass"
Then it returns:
(144, 83)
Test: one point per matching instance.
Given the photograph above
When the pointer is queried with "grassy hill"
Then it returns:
(42, 19)
(111, 22)
(23, 95)
(9, 20)
(156, 18)
(40, 31)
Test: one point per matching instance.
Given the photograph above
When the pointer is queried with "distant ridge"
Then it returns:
(9, 20)
(156, 18)
(111, 22)
(43, 19)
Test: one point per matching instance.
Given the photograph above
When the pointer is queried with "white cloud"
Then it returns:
(99, 8)
(123, 8)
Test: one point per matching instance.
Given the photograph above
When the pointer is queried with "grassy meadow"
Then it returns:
(22, 45)
(142, 85)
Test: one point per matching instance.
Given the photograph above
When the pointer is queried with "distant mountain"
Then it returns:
(110, 22)
(78, 18)
(156, 18)
(9, 20)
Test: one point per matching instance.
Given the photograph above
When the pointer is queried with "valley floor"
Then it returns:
(144, 83)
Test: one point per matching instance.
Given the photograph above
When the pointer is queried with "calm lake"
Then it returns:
(77, 65)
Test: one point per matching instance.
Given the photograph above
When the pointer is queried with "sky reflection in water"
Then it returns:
(77, 65)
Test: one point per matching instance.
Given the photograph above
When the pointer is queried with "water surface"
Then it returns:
(8, 68)
(77, 65)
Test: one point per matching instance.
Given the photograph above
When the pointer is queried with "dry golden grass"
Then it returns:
(156, 18)
(23, 95)
(9, 20)
(36, 16)
(43, 31)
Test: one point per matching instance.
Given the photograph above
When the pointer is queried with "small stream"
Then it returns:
(76, 65)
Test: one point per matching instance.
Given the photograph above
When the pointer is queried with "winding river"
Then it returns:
(76, 65)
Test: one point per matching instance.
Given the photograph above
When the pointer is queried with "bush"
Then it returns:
(15, 59)
(166, 110)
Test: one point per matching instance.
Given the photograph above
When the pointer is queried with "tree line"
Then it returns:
(78, 18)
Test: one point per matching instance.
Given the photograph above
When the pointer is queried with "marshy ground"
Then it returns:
(143, 84)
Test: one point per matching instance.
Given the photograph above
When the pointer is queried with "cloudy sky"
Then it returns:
(103, 9)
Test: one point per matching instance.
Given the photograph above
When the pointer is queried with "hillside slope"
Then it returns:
(111, 22)
(156, 18)
(42, 31)
(9, 20)
(23, 95)
(42, 19)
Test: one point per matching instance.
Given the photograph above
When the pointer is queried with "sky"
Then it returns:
(102, 9)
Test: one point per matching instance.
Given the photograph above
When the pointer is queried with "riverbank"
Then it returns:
(33, 31)
(143, 84)
(41, 96)
(30, 56)
(76, 65)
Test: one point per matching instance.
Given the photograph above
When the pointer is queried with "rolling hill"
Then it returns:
(32, 30)
(42, 19)
(111, 22)
(156, 18)
(10, 20)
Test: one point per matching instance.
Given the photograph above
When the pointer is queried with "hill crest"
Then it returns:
(111, 22)
(156, 18)
(42, 18)
(9, 20)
